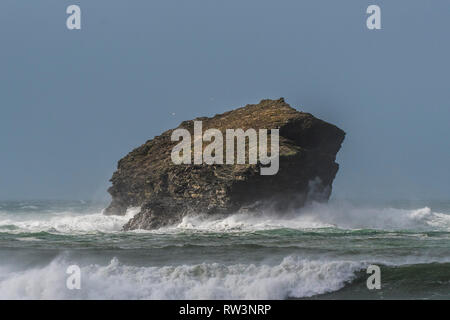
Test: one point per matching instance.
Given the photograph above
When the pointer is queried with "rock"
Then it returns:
(167, 192)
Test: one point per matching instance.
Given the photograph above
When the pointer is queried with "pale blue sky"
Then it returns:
(74, 102)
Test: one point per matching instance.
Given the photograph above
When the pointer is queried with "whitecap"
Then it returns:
(292, 277)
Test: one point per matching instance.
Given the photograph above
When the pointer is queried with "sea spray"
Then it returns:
(319, 251)
(292, 277)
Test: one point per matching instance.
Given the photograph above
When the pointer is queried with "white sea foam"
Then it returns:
(292, 277)
(338, 215)
(67, 222)
(343, 216)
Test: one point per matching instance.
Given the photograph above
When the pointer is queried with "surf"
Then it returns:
(292, 277)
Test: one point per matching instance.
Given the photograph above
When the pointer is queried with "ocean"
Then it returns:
(319, 252)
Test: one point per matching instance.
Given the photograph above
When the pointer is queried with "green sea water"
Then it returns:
(319, 252)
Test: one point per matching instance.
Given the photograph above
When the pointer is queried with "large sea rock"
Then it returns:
(167, 192)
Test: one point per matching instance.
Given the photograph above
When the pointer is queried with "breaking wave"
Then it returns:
(315, 216)
(65, 222)
(322, 249)
(291, 278)
(343, 216)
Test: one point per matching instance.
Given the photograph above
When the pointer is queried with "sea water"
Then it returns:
(321, 251)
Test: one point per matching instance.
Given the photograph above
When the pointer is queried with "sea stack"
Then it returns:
(166, 192)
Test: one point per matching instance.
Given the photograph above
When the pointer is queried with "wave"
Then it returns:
(65, 222)
(292, 277)
(272, 256)
(339, 215)
(319, 215)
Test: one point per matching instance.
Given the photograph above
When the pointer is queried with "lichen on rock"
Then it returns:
(167, 192)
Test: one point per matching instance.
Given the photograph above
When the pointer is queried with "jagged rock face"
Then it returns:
(166, 192)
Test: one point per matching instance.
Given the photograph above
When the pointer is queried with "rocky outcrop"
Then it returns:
(166, 192)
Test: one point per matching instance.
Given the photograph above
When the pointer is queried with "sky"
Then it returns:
(73, 102)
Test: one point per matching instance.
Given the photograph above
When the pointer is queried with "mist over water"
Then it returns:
(319, 251)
